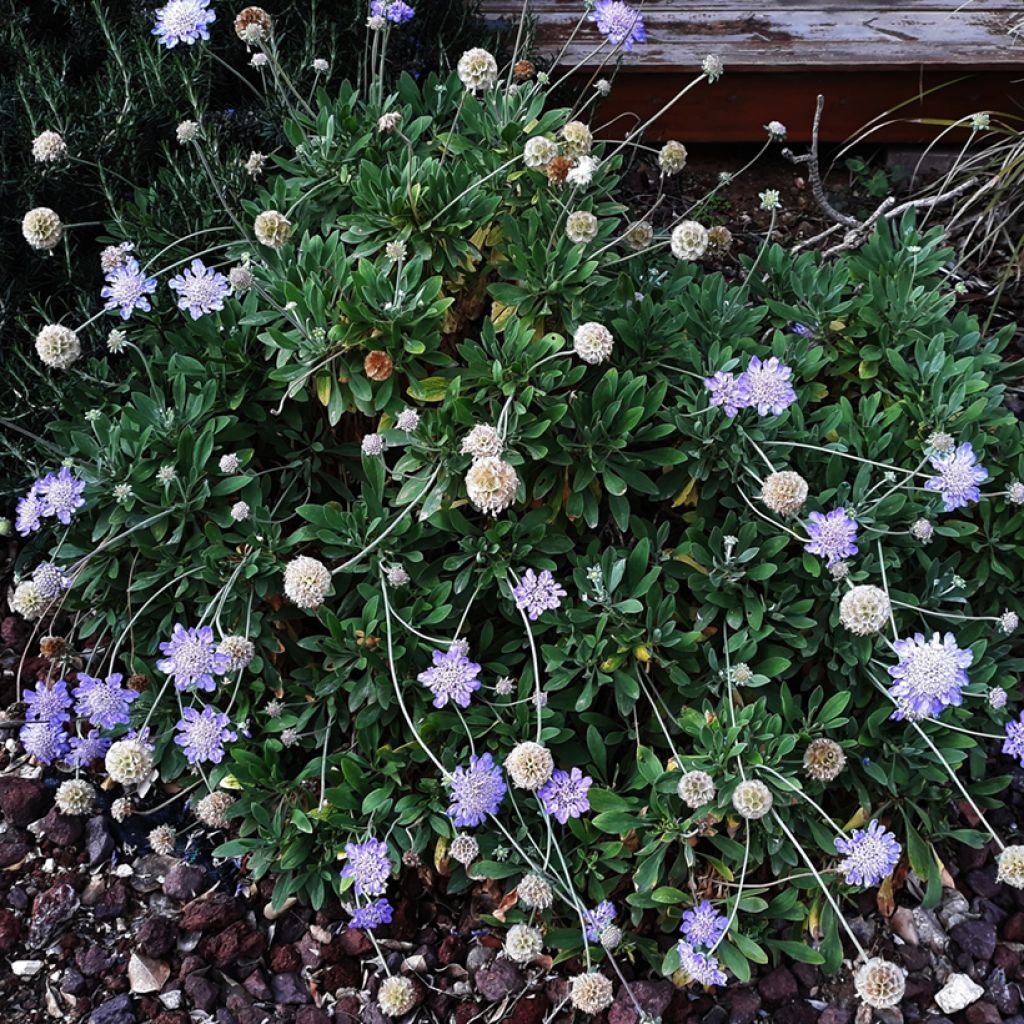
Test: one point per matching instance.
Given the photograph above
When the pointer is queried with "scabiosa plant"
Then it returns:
(183, 21)
(1013, 744)
(128, 289)
(703, 925)
(28, 513)
(832, 536)
(699, 967)
(958, 477)
(564, 795)
(200, 289)
(60, 495)
(93, 746)
(368, 865)
(103, 702)
(768, 386)
(452, 677)
(48, 703)
(870, 854)
(50, 579)
(372, 915)
(202, 735)
(477, 791)
(192, 658)
(728, 392)
(44, 741)
(598, 919)
(396, 11)
(538, 593)
(930, 675)
(619, 23)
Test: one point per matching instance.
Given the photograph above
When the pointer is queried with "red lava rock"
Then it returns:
(451, 951)
(113, 901)
(978, 938)
(23, 801)
(114, 1011)
(183, 881)
(236, 942)
(289, 989)
(311, 1015)
(347, 1010)
(50, 910)
(354, 942)
(61, 829)
(256, 985)
(744, 1006)
(171, 1017)
(284, 959)
(14, 847)
(240, 1005)
(99, 843)
(795, 1013)
(201, 992)
(835, 1015)
(499, 980)
(778, 986)
(533, 1010)
(1013, 930)
(190, 964)
(345, 974)
(10, 929)
(983, 1013)
(465, 1012)
(215, 911)
(93, 960)
(157, 936)
(652, 997)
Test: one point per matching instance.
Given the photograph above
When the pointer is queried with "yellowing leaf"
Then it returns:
(687, 496)
(430, 389)
(440, 853)
(323, 387)
(691, 562)
(230, 782)
(500, 313)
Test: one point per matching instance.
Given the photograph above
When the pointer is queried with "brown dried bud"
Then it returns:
(138, 682)
(557, 170)
(523, 70)
(253, 24)
(53, 647)
(362, 640)
(378, 366)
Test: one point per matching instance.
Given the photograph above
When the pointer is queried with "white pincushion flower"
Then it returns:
(240, 511)
(388, 122)
(535, 893)
(166, 475)
(116, 342)
(42, 228)
(696, 789)
(752, 799)
(591, 993)
(1015, 493)
(529, 765)
(408, 420)
(320, 66)
(1008, 621)
(161, 840)
(689, 240)
(593, 342)
(672, 158)
(770, 199)
(477, 69)
(27, 600)
(129, 762)
(212, 810)
(581, 227)
(229, 463)
(306, 582)
(880, 984)
(582, 172)
(57, 346)
(539, 152)
(397, 996)
(48, 148)
(864, 610)
(491, 485)
(259, 60)
(523, 943)
(187, 131)
(272, 229)
(639, 235)
(482, 441)
(712, 66)
(577, 139)
(922, 530)
(397, 576)
(373, 445)
(256, 164)
(75, 796)
(784, 492)
(1011, 866)
(611, 937)
(603, 87)
(776, 130)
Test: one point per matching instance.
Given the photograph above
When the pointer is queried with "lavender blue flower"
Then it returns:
(598, 919)
(564, 795)
(28, 513)
(200, 289)
(958, 479)
(50, 580)
(452, 677)
(1014, 742)
(395, 11)
(127, 289)
(48, 704)
(701, 967)
(538, 594)
(86, 749)
(373, 915)
(43, 741)
(768, 386)
(193, 659)
(930, 676)
(871, 854)
(104, 702)
(618, 23)
(183, 21)
(477, 791)
(703, 925)
(60, 494)
(202, 735)
(368, 866)
(833, 535)
(727, 391)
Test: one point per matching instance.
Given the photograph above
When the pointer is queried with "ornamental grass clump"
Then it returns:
(466, 530)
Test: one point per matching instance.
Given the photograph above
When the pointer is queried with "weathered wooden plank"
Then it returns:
(682, 8)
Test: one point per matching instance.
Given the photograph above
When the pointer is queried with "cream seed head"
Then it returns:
(577, 139)
(129, 762)
(539, 152)
(483, 440)
(672, 158)
(388, 122)
(591, 993)
(593, 342)
(864, 610)
(49, 148)
(42, 228)
(880, 984)
(477, 69)
(272, 229)
(397, 996)
(689, 240)
(529, 765)
(75, 796)
(306, 582)
(212, 810)
(696, 789)
(784, 492)
(27, 600)
(581, 227)
(719, 240)
(535, 893)
(752, 799)
(121, 809)
(240, 651)
(922, 530)
(611, 937)
(464, 849)
(187, 131)
(161, 840)
(639, 235)
(57, 346)
(491, 484)
(1011, 866)
(824, 759)
(523, 943)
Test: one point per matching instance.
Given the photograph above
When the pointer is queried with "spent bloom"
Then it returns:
(27, 601)
(539, 152)
(728, 391)
(536, 594)
(577, 139)
(930, 675)
(477, 69)
(1011, 866)
(864, 610)
(372, 445)
(768, 386)
(482, 441)
(272, 229)
(464, 849)
(48, 703)
(696, 789)
(582, 172)
(306, 581)
(523, 943)
(491, 484)
(239, 651)
(49, 147)
(776, 130)
(535, 893)
(129, 761)
(369, 867)
(192, 658)
(187, 131)
(689, 240)
(752, 799)
(57, 346)
(833, 535)
(529, 765)
(104, 702)
(581, 227)
(672, 157)
(564, 795)
(593, 342)
(42, 228)
(712, 66)
(824, 759)
(200, 289)
(75, 796)
(477, 791)
(212, 810)
(958, 479)
(591, 993)
(183, 21)
(372, 915)
(619, 23)
(598, 919)
(880, 984)
(452, 677)
(396, 996)
(784, 492)
(703, 925)
(202, 735)
(870, 854)
(127, 289)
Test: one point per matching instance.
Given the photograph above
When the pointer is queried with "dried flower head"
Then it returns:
(129, 761)
(272, 229)
(464, 849)
(529, 765)
(491, 484)
(577, 139)
(581, 227)
(75, 796)
(776, 131)
(719, 240)
(535, 893)
(1011, 866)
(161, 840)
(121, 809)
(539, 152)
(239, 651)
(482, 441)
(784, 492)
(49, 148)
(42, 228)
(53, 648)
(397, 996)
(593, 342)
(477, 69)
(824, 759)
(253, 24)
(639, 235)
(689, 240)
(57, 346)
(558, 170)
(672, 158)
(879, 983)
(306, 582)
(523, 943)
(591, 993)
(696, 789)
(922, 530)
(388, 122)
(255, 165)
(752, 799)
(864, 610)
(378, 365)
(27, 601)
(212, 810)
(187, 131)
